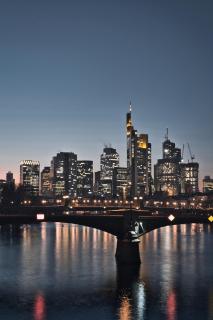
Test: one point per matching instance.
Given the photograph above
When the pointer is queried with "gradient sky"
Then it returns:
(69, 68)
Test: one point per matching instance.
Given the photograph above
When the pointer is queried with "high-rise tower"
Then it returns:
(138, 159)
(46, 182)
(64, 174)
(30, 176)
(108, 161)
(130, 141)
(84, 178)
(189, 174)
(167, 170)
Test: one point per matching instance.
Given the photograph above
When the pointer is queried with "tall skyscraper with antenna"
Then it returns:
(138, 159)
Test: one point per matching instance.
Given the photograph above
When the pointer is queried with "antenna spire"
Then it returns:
(167, 134)
(130, 106)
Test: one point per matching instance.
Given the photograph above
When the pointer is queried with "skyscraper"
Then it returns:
(84, 178)
(120, 183)
(9, 179)
(167, 170)
(97, 184)
(170, 152)
(30, 177)
(2, 186)
(108, 161)
(46, 181)
(138, 159)
(64, 174)
(150, 178)
(189, 177)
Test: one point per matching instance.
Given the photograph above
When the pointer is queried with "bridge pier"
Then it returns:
(127, 252)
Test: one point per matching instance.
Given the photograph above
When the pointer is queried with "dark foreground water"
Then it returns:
(59, 271)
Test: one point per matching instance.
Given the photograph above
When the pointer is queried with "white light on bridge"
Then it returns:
(210, 218)
(40, 216)
(171, 217)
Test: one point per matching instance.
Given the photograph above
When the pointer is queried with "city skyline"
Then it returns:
(106, 161)
(68, 72)
(97, 163)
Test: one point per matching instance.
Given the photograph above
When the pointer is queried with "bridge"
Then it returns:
(127, 225)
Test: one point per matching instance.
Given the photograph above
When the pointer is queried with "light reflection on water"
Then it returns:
(39, 307)
(53, 271)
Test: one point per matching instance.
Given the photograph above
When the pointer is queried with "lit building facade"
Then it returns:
(64, 174)
(46, 182)
(120, 183)
(97, 184)
(30, 177)
(2, 186)
(150, 178)
(167, 170)
(170, 151)
(138, 160)
(108, 161)
(84, 178)
(167, 176)
(207, 184)
(189, 173)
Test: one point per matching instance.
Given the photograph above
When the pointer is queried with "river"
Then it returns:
(64, 271)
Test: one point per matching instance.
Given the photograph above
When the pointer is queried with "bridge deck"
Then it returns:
(112, 223)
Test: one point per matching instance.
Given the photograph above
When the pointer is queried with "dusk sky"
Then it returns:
(69, 68)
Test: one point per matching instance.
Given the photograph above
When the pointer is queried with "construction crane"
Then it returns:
(190, 152)
(182, 153)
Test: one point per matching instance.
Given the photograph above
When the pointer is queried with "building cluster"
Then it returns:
(67, 176)
(172, 175)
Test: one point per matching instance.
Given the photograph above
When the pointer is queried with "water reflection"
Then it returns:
(53, 271)
(39, 307)
(171, 306)
(210, 298)
(130, 292)
(125, 309)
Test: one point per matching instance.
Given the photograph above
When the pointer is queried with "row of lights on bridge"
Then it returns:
(58, 201)
(41, 217)
(172, 218)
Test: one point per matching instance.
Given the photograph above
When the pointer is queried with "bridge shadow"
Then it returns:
(126, 276)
